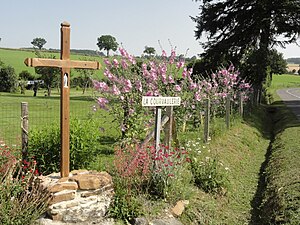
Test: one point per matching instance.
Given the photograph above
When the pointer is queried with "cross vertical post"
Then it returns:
(65, 64)
(65, 102)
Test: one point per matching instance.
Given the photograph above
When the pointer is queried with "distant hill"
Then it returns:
(16, 57)
(85, 52)
(293, 60)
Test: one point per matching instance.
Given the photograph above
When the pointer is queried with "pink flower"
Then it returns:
(138, 85)
(124, 64)
(102, 102)
(197, 96)
(177, 88)
(164, 54)
(180, 64)
(100, 86)
(107, 62)
(128, 86)
(171, 80)
(193, 86)
(116, 63)
(109, 75)
(115, 90)
(184, 73)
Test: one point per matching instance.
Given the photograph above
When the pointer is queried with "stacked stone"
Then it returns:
(83, 196)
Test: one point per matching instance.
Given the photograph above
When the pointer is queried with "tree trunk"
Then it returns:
(48, 91)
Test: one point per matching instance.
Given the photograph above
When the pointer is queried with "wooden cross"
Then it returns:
(65, 64)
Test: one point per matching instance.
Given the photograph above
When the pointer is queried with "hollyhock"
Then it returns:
(102, 102)
(177, 88)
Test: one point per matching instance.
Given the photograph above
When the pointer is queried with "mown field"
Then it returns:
(15, 58)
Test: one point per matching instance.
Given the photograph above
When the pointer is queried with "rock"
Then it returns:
(82, 198)
(141, 221)
(63, 186)
(92, 181)
(62, 196)
(178, 209)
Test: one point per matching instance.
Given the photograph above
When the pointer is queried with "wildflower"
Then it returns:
(177, 88)
(102, 102)
(116, 63)
(138, 85)
(115, 90)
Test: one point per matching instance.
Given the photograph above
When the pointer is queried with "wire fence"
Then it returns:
(40, 115)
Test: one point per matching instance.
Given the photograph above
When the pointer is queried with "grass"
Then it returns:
(242, 151)
(15, 58)
(46, 110)
(280, 200)
(283, 81)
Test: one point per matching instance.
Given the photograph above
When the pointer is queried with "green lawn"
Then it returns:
(15, 58)
(46, 110)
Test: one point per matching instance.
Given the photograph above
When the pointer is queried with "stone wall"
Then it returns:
(82, 197)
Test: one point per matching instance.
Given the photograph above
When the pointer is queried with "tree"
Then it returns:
(235, 28)
(149, 50)
(50, 75)
(107, 42)
(276, 62)
(85, 78)
(39, 42)
(8, 78)
(25, 75)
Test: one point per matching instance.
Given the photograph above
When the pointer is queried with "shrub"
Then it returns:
(22, 200)
(44, 144)
(209, 175)
(8, 79)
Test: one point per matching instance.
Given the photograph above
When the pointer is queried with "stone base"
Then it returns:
(82, 197)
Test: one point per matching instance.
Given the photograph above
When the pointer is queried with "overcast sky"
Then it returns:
(134, 23)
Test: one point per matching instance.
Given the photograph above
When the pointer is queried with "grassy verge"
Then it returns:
(281, 202)
(241, 151)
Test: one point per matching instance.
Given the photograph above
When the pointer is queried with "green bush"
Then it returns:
(8, 79)
(44, 145)
(125, 205)
(209, 175)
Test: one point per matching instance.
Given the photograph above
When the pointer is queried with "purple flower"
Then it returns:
(102, 102)
(101, 86)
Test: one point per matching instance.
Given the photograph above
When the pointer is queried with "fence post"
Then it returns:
(207, 119)
(228, 111)
(169, 126)
(241, 105)
(24, 128)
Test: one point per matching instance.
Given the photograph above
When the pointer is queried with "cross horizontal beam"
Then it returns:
(60, 63)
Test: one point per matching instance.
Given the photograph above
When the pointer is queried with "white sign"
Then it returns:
(160, 101)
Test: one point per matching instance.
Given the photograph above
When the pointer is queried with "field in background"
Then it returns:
(45, 111)
(15, 58)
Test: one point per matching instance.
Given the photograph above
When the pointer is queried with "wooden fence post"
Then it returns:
(228, 111)
(24, 128)
(169, 126)
(207, 119)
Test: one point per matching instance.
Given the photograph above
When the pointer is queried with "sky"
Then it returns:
(134, 23)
